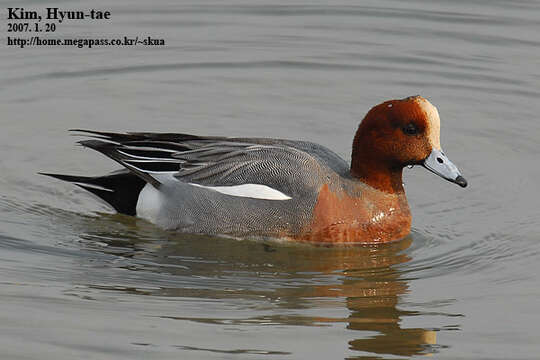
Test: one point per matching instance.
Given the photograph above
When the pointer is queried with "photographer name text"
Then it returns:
(39, 28)
(57, 14)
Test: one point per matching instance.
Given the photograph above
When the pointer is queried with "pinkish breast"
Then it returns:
(374, 217)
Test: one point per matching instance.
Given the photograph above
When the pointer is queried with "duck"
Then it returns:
(266, 188)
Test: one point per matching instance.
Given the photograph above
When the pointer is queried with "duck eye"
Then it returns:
(410, 129)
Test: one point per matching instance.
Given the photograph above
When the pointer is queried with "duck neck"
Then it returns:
(373, 171)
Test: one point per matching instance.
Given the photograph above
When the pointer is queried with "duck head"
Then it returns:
(395, 134)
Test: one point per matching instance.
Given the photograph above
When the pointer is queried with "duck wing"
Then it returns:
(281, 165)
(182, 141)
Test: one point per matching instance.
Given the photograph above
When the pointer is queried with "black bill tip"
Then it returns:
(460, 180)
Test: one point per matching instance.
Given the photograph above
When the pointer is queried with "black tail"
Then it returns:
(120, 189)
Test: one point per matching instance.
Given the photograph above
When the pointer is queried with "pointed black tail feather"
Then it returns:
(120, 189)
(111, 150)
(141, 136)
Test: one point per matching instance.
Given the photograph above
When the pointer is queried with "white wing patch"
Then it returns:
(254, 191)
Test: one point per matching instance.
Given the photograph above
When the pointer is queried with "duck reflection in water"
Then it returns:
(367, 280)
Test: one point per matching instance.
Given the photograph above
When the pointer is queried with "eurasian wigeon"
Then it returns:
(260, 187)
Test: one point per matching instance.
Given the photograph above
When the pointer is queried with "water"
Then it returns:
(79, 282)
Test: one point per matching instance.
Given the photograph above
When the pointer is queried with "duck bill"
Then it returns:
(439, 164)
